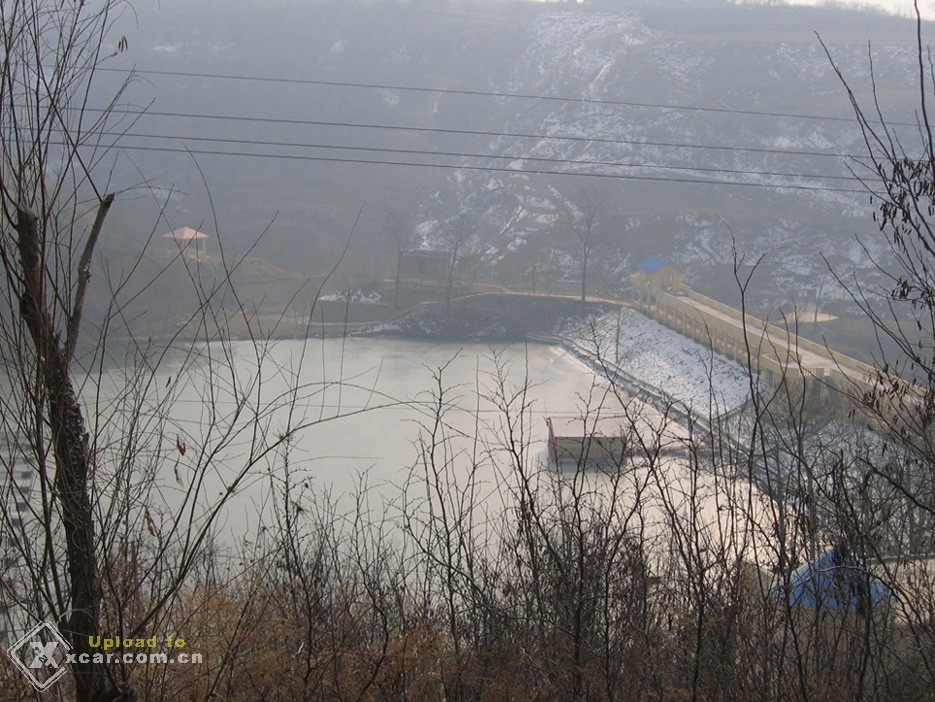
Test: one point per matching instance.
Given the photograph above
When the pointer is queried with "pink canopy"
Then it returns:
(185, 234)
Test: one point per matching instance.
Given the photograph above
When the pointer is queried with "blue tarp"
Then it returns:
(835, 581)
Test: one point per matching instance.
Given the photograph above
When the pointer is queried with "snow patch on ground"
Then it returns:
(685, 370)
(371, 297)
(426, 232)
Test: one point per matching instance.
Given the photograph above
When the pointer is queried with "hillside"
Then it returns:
(699, 126)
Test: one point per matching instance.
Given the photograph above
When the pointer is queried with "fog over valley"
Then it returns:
(467, 350)
(696, 124)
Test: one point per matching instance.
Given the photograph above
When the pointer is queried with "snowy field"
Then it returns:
(685, 370)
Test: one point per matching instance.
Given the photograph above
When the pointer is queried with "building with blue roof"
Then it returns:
(654, 275)
(653, 264)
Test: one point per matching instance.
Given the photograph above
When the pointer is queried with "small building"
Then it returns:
(654, 275)
(185, 237)
(591, 440)
(424, 267)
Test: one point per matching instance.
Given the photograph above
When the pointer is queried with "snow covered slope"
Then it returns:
(711, 127)
(661, 357)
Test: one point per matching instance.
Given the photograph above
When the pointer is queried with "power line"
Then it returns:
(496, 169)
(462, 132)
(472, 132)
(474, 155)
(459, 154)
(481, 93)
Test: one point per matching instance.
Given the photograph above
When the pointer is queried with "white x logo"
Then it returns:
(44, 654)
(40, 654)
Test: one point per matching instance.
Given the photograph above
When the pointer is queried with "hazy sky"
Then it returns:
(901, 7)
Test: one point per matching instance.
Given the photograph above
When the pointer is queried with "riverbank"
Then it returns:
(500, 317)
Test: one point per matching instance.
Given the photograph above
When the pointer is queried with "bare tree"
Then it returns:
(899, 173)
(459, 234)
(395, 227)
(583, 219)
(887, 497)
(49, 147)
(126, 494)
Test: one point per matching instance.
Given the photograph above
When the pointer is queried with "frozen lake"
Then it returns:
(364, 404)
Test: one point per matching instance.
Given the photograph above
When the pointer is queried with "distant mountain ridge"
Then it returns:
(660, 99)
(750, 83)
